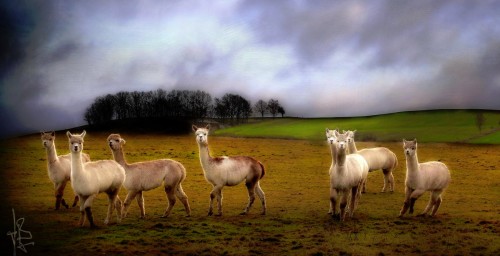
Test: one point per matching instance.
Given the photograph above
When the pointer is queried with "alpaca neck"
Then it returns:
(352, 147)
(333, 149)
(204, 156)
(412, 163)
(52, 154)
(76, 164)
(340, 159)
(119, 157)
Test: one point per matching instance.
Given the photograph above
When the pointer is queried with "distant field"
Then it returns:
(296, 186)
(426, 126)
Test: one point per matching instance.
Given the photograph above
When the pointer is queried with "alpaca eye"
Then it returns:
(117, 140)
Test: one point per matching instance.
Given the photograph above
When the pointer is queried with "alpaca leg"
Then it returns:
(387, 182)
(214, 194)
(170, 191)
(391, 182)
(126, 204)
(75, 201)
(140, 201)
(413, 198)
(333, 202)
(219, 203)
(251, 197)
(118, 207)
(406, 204)
(179, 192)
(112, 195)
(354, 199)
(343, 205)
(429, 205)
(363, 190)
(83, 199)
(88, 210)
(59, 191)
(262, 198)
(437, 202)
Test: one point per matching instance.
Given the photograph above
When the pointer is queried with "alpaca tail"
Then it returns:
(263, 170)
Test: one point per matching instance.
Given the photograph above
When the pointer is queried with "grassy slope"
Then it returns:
(427, 126)
(296, 186)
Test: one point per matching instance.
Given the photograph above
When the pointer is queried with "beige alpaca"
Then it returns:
(59, 168)
(144, 176)
(229, 171)
(378, 158)
(91, 178)
(347, 174)
(430, 176)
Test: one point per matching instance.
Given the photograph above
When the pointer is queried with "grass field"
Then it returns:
(427, 126)
(296, 186)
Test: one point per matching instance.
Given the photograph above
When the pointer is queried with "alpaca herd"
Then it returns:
(348, 176)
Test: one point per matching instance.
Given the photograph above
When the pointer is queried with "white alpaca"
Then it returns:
(420, 177)
(229, 171)
(59, 168)
(347, 174)
(378, 158)
(91, 178)
(144, 176)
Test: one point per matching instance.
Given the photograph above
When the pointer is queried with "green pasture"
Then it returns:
(426, 126)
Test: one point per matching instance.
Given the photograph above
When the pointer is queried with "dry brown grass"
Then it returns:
(296, 186)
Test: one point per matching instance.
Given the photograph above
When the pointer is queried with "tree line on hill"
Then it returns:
(177, 104)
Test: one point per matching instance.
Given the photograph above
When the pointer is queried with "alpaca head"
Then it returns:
(201, 134)
(115, 142)
(350, 136)
(330, 136)
(341, 140)
(48, 139)
(76, 141)
(410, 147)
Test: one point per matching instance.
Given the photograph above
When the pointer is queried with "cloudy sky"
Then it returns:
(318, 58)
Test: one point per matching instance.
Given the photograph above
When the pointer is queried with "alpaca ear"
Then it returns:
(122, 141)
(336, 133)
(53, 133)
(83, 134)
(69, 134)
(327, 130)
(208, 127)
(194, 128)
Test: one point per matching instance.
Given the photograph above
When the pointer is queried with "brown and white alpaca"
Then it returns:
(430, 176)
(348, 172)
(379, 158)
(144, 176)
(91, 178)
(229, 171)
(59, 168)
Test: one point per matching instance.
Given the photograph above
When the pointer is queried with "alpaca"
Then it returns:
(378, 158)
(91, 178)
(144, 176)
(229, 171)
(59, 168)
(347, 174)
(430, 176)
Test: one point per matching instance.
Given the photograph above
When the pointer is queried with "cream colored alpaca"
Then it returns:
(348, 172)
(144, 176)
(420, 177)
(59, 168)
(229, 171)
(378, 158)
(91, 178)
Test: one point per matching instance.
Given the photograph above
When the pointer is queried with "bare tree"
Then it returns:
(273, 106)
(281, 110)
(480, 119)
(261, 107)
